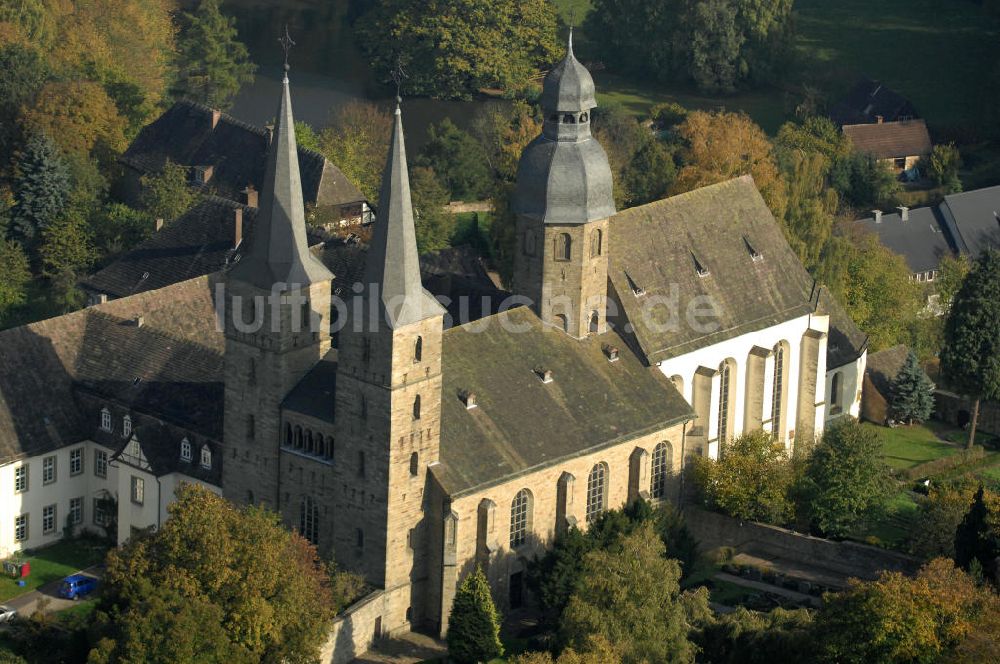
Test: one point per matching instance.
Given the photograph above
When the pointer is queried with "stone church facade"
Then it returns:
(411, 445)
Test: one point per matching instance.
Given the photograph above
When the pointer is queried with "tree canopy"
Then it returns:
(214, 63)
(255, 590)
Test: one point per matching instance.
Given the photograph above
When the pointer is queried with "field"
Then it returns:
(937, 55)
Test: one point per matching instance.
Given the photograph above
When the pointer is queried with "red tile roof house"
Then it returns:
(900, 144)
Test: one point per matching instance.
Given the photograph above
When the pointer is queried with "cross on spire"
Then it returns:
(286, 45)
(398, 75)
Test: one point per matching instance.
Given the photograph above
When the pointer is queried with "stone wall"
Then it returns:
(957, 410)
(845, 559)
(354, 631)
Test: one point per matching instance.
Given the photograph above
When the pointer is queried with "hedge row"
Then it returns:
(944, 464)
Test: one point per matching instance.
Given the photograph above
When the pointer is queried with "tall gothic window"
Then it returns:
(778, 392)
(835, 396)
(597, 490)
(659, 470)
(309, 519)
(298, 437)
(416, 407)
(288, 434)
(418, 349)
(564, 247)
(520, 518)
(725, 377)
(596, 242)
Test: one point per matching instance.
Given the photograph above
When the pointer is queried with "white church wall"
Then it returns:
(850, 381)
(738, 350)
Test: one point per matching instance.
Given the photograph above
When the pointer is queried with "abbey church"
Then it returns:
(333, 384)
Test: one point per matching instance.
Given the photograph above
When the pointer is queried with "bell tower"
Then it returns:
(277, 322)
(563, 200)
(388, 406)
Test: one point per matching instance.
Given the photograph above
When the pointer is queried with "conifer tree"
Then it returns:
(14, 276)
(214, 63)
(41, 187)
(911, 395)
(474, 627)
(970, 359)
(975, 538)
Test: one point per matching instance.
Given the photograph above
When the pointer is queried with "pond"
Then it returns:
(328, 67)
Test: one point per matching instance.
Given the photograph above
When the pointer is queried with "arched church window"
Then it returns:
(309, 441)
(564, 247)
(725, 415)
(595, 322)
(288, 434)
(562, 322)
(569, 118)
(329, 447)
(596, 242)
(298, 437)
(659, 470)
(418, 349)
(584, 118)
(520, 518)
(309, 519)
(836, 388)
(597, 491)
(778, 391)
(320, 446)
(416, 407)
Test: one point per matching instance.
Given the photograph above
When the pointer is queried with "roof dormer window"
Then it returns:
(543, 374)
(755, 255)
(105, 419)
(126, 426)
(637, 290)
(700, 269)
(206, 457)
(186, 450)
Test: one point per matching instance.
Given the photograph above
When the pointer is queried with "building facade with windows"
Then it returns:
(410, 444)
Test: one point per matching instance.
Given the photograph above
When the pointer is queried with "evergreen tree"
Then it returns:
(458, 159)
(433, 224)
(41, 187)
(975, 538)
(970, 359)
(474, 627)
(911, 395)
(66, 245)
(214, 64)
(14, 276)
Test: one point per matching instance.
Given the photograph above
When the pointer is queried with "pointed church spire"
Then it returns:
(280, 251)
(393, 266)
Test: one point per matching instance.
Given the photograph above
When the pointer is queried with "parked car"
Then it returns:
(7, 613)
(77, 586)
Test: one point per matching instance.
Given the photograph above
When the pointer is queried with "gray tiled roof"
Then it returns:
(658, 247)
(236, 150)
(522, 424)
(972, 216)
(921, 240)
(846, 342)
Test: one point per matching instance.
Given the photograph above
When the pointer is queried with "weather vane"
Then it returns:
(286, 44)
(398, 74)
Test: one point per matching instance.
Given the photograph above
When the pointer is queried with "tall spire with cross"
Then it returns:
(280, 252)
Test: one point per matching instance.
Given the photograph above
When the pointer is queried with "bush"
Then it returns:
(474, 627)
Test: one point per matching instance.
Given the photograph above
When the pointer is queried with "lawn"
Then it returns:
(933, 54)
(909, 446)
(894, 528)
(54, 562)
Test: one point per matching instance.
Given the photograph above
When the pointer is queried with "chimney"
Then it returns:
(879, 119)
(545, 375)
(138, 321)
(249, 196)
(878, 216)
(468, 398)
(159, 223)
(237, 227)
(202, 174)
(611, 352)
(904, 213)
(216, 116)
(102, 298)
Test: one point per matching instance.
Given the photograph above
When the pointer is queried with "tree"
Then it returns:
(458, 159)
(714, 50)
(943, 167)
(454, 48)
(474, 626)
(976, 538)
(116, 227)
(755, 637)
(845, 481)
(750, 480)
(811, 205)
(14, 276)
(166, 195)
(650, 173)
(939, 513)
(503, 131)
(629, 595)
(214, 64)
(864, 182)
(896, 619)
(721, 146)
(911, 394)
(970, 359)
(257, 590)
(80, 118)
(23, 71)
(66, 246)
(357, 141)
(951, 273)
(41, 187)
(433, 224)
(306, 137)
(597, 651)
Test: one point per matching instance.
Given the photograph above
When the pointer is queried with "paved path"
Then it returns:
(48, 596)
(404, 649)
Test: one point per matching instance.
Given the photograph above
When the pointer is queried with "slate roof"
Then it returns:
(45, 365)
(972, 218)
(522, 424)
(867, 101)
(660, 246)
(236, 150)
(883, 367)
(160, 448)
(889, 140)
(846, 342)
(568, 86)
(921, 240)
(314, 394)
